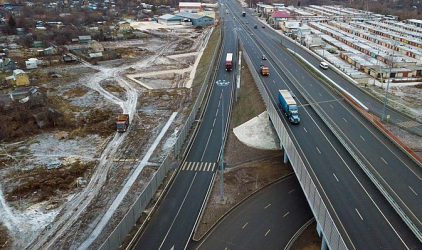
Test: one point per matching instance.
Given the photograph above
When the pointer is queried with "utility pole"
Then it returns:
(222, 83)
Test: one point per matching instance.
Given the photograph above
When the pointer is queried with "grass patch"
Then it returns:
(204, 63)
(249, 103)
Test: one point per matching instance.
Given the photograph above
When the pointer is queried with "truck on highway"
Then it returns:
(243, 13)
(122, 122)
(229, 61)
(289, 106)
(264, 70)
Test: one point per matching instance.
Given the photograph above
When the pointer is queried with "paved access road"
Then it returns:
(266, 220)
(171, 226)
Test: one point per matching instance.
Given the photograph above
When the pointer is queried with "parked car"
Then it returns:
(323, 65)
(264, 57)
(263, 26)
(256, 26)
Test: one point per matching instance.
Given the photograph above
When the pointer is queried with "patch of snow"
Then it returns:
(24, 226)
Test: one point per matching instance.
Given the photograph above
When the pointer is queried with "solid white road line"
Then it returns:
(267, 232)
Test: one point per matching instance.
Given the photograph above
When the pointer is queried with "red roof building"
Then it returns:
(278, 16)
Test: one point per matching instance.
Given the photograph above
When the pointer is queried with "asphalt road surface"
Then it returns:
(266, 220)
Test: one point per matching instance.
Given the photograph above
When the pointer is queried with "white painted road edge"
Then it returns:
(335, 84)
(105, 219)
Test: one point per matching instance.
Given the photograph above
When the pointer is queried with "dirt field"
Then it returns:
(45, 171)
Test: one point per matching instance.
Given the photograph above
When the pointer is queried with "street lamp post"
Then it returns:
(222, 83)
(388, 83)
(378, 67)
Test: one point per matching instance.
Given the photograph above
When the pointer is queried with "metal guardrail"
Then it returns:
(188, 124)
(119, 234)
(318, 207)
(384, 189)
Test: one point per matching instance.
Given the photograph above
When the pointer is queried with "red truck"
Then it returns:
(122, 122)
(229, 61)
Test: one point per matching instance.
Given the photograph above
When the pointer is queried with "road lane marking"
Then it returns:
(358, 213)
(178, 211)
(336, 177)
(215, 118)
(384, 160)
(245, 225)
(413, 190)
(311, 85)
(318, 150)
(319, 94)
(197, 165)
(286, 214)
(273, 81)
(267, 206)
(362, 138)
(267, 232)
(331, 106)
(206, 145)
(184, 165)
(291, 191)
(344, 119)
(305, 129)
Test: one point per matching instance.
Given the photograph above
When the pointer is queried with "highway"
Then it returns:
(172, 224)
(272, 216)
(365, 218)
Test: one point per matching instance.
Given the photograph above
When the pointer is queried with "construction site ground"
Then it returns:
(79, 159)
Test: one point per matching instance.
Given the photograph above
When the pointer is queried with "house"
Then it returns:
(302, 31)
(31, 63)
(194, 19)
(278, 16)
(84, 39)
(124, 25)
(96, 46)
(95, 55)
(37, 44)
(289, 26)
(20, 78)
(190, 7)
(169, 19)
(7, 64)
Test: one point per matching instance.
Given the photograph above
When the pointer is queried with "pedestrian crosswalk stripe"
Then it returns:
(409, 124)
(199, 166)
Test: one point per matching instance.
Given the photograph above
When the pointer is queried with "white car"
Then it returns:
(323, 65)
